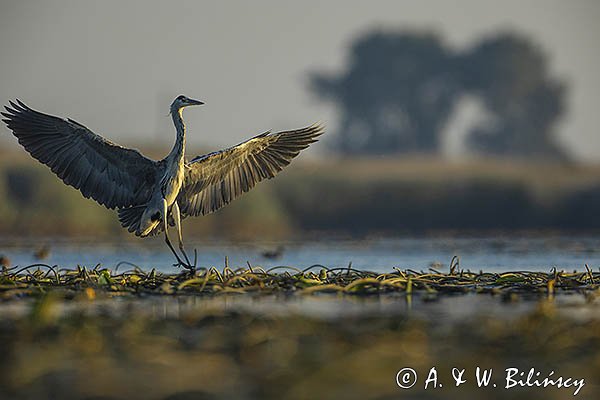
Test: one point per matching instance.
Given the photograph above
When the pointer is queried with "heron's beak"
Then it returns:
(193, 102)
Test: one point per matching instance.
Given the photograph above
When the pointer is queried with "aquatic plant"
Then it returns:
(37, 279)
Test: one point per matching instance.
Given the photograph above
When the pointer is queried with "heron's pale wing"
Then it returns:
(110, 174)
(215, 179)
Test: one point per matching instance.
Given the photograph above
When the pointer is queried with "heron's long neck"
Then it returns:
(178, 152)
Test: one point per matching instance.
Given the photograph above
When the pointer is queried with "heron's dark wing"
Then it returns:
(110, 174)
(213, 180)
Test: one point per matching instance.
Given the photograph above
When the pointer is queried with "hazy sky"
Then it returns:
(115, 66)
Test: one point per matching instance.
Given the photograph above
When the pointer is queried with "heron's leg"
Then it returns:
(179, 260)
(168, 241)
(177, 218)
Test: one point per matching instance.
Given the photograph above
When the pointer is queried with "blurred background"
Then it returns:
(454, 117)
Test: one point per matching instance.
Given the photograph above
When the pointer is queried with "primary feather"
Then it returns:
(114, 176)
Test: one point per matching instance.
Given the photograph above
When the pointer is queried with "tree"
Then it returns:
(510, 75)
(400, 88)
(395, 96)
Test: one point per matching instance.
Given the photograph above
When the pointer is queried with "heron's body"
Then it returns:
(152, 195)
(165, 194)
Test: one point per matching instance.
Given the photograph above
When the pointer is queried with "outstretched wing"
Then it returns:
(213, 180)
(110, 174)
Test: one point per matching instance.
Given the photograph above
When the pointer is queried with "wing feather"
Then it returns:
(114, 176)
(215, 179)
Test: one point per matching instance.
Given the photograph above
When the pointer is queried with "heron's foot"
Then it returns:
(187, 264)
(187, 259)
(191, 268)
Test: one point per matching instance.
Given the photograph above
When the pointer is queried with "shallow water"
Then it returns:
(476, 253)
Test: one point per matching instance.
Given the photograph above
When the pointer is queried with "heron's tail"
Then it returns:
(131, 217)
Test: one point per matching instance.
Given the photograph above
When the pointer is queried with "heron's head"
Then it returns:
(184, 101)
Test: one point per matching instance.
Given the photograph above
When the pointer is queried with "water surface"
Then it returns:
(476, 253)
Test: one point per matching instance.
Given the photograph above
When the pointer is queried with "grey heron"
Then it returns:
(150, 195)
